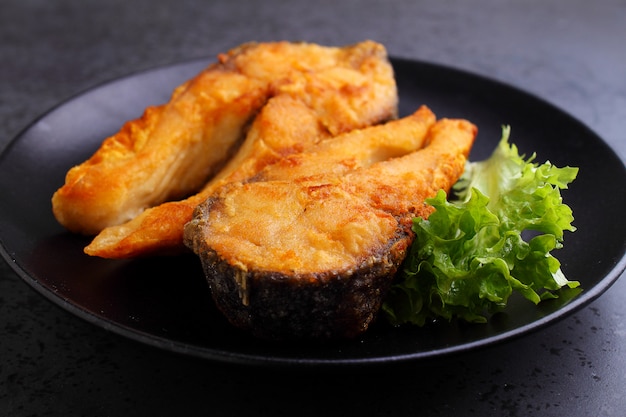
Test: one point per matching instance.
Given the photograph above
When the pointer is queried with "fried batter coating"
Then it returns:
(251, 225)
(173, 149)
(160, 229)
(312, 257)
(285, 125)
(313, 96)
(167, 153)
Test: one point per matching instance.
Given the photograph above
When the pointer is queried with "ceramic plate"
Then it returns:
(165, 302)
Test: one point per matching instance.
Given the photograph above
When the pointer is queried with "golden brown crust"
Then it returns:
(284, 125)
(292, 257)
(168, 153)
(316, 92)
(281, 222)
(400, 186)
(356, 149)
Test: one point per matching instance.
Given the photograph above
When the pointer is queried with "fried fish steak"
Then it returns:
(359, 148)
(349, 87)
(284, 125)
(173, 149)
(312, 257)
(308, 104)
(167, 153)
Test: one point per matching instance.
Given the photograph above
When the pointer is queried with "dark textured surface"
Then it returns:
(570, 53)
(285, 305)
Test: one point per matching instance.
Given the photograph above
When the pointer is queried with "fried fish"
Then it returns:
(311, 257)
(167, 153)
(314, 93)
(173, 149)
(284, 125)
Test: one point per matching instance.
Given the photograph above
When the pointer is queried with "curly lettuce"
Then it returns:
(495, 238)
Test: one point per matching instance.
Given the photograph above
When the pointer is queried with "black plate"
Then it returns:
(165, 302)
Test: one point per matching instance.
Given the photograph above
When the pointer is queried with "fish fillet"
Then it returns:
(285, 125)
(312, 257)
(307, 105)
(167, 153)
(171, 151)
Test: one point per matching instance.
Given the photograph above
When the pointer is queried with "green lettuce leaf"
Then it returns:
(494, 239)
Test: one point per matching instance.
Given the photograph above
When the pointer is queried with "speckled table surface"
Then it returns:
(569, 52)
